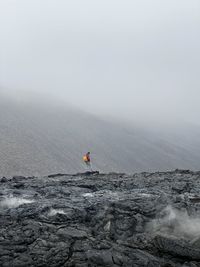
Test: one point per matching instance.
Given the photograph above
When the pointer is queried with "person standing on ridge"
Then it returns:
(86, 159)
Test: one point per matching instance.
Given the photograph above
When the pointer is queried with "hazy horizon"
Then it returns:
(131, 60)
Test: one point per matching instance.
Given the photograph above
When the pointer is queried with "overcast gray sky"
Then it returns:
(131, 58)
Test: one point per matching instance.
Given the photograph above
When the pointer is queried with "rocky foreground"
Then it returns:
(146, 219)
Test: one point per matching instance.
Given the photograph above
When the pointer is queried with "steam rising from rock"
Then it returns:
(175, 222)
(53, 212)
(14, 202)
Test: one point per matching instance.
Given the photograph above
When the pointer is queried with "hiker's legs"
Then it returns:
(89, 166)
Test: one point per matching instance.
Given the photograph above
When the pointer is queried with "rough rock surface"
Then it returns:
(82, 220)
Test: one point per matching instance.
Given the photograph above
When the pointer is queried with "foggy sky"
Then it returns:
(129, 59)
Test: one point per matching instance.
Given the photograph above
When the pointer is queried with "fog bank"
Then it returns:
(130, 60)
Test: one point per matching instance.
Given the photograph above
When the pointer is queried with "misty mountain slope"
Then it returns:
(36, 140)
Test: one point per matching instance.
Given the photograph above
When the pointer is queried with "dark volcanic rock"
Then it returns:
(177, 247)
(92, 219)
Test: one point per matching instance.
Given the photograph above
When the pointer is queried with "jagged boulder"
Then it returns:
(176, 247)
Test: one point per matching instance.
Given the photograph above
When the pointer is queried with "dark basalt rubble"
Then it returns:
(93, 219)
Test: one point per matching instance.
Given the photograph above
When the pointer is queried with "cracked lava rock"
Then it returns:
(92, 219)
